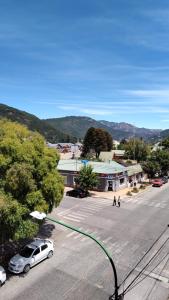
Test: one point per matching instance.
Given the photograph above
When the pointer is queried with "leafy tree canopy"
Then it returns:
(28, 179)
(137, 149)
(151, 168)
(87, 179)
(162, 158)
(96, 140)
(165, 143)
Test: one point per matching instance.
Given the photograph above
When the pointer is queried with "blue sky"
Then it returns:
(108, 60)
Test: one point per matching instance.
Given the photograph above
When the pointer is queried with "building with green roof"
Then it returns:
(112, 176)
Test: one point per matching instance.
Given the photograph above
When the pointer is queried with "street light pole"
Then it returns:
(42, 216)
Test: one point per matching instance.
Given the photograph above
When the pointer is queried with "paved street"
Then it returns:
(80, 270)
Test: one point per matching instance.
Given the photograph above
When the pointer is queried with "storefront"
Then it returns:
(112, 176)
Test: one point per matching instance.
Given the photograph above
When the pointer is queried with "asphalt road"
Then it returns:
(80, 270)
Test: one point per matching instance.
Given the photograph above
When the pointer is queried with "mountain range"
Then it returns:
(77, 126)
(73, 128)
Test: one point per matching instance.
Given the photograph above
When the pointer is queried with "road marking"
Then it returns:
(153, 275)
(107, 240)
(77, 236)
(76, 217)
(71, 219)
(70, 234)
(80, 214)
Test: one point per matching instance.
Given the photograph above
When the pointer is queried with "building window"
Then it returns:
(121, 181)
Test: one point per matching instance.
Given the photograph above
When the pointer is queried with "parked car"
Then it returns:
(2, 276)
(31, 255)
(78, 193)
(157, 182)
(164, 179)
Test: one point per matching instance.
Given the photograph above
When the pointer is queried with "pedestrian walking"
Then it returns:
(118, 202)
(114, 201)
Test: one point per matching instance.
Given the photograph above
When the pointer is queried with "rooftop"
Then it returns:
(98, 167)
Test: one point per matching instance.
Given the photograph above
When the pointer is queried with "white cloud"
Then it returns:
(149, 93)
(95, 111)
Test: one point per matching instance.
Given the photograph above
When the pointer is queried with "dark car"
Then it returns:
(77, 193)
(164, 179)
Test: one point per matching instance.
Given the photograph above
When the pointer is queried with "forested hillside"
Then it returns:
(52, 135)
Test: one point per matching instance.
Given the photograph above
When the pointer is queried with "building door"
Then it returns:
(110, 185)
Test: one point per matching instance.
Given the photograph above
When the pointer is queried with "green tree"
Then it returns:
(28, 179)
(137, 149)
(165, 143)
(151, 168)
(96, 140)
(162, 158)
(122, 144)
(87, 179)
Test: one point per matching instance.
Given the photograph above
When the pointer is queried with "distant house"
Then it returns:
(66, 147)
(112, 176)
(107, 156)
(118, 154)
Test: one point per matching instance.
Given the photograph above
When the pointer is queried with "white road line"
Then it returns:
(70, 234)
(76, 217)
(80, 214)
(107, 239)
(88, 213)
(84, 239)
(71, 219)
(77, 236)
(90, 209)
(61, 213)
(93, 207)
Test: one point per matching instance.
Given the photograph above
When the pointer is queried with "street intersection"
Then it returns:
(80, 270)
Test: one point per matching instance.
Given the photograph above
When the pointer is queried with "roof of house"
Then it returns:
(108, 155)
(98, 167)
(118, 152)
(134, 169)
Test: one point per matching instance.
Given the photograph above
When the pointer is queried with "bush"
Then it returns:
(135, 190)
(129, 193)
(142, 187)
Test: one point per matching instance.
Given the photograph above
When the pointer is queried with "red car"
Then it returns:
(157, 182)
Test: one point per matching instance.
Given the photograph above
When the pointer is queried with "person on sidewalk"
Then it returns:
(118, 201)
(114, 201)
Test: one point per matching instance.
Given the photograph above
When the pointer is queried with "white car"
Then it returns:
(2, 276)
(31, 255)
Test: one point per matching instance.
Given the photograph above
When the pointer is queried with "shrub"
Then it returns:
(135, 190)
(142, 187)
(129, 193)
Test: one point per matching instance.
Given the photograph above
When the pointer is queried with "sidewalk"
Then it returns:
(110, 194)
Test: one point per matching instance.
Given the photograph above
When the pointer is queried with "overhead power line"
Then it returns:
(138, 275)
(144, 255)
(156, 281)
(148, 274)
